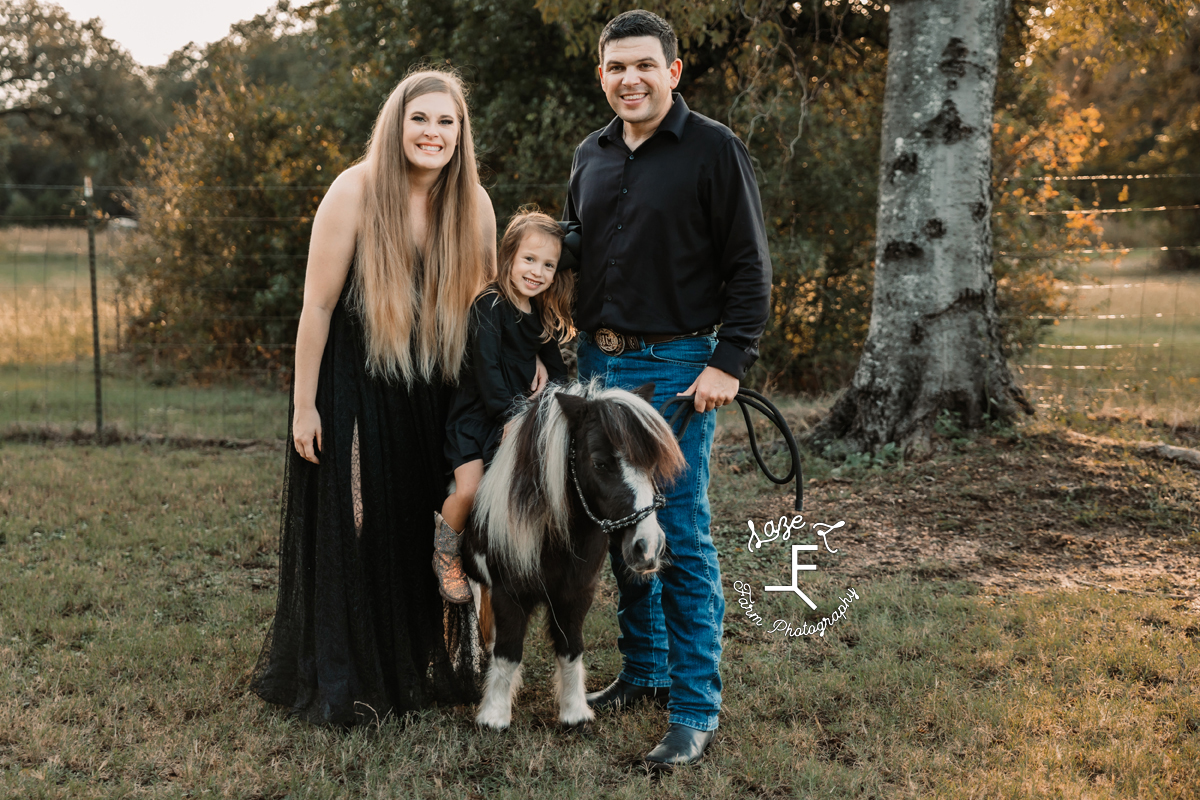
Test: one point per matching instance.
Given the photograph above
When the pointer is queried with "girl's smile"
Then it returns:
(534, 266)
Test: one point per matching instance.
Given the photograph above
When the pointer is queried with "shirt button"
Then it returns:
(608, 298)
(624, 191)
(612, 261)
(618, 227)
(631, 158)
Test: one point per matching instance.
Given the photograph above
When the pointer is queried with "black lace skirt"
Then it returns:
(360, 631)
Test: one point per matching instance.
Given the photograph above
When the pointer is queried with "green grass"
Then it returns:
(1147, 346)
(135, 602)
(46, 378)
(53, 257)
(62, 397)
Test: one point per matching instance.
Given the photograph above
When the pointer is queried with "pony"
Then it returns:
(574, 476)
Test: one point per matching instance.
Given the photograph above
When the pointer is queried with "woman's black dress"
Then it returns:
(360, 630)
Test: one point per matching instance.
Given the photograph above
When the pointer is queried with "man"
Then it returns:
(673, 245)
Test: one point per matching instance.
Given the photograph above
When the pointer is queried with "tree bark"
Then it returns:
(933, 342)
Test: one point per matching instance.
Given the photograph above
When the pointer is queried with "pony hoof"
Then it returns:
(584, 730)
(492, 721)
(492, 726)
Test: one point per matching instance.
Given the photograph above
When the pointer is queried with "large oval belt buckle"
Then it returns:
(610, 343)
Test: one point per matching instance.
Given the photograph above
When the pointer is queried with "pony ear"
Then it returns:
(645, 391)
(573, 407)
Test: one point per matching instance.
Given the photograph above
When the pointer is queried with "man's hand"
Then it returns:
(712, 389)
(540, 376)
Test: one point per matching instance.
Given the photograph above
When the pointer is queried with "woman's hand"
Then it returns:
(540, 376)
(306, 426)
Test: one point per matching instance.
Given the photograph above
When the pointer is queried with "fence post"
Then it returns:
(91, 225)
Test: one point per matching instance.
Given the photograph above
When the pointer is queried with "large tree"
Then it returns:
(933, 346)
(71, 100)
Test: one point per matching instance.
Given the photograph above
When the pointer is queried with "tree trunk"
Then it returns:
(933, 342)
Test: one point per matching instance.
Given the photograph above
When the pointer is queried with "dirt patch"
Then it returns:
(1019, 514)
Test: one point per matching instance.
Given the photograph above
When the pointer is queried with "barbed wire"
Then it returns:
(535, 185)
(1067, 212)
(1096, 251)
(1133, 177)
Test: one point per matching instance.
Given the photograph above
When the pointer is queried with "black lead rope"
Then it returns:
(747, 399)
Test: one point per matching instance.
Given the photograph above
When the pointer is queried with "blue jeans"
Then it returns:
(671, 625)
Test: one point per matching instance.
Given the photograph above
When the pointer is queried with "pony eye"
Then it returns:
(599, 465)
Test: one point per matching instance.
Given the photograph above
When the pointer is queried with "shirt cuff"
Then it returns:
(730, 358)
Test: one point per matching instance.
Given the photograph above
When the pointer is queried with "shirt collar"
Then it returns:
(673, 123)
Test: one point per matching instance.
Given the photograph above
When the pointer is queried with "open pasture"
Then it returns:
(1132, 338)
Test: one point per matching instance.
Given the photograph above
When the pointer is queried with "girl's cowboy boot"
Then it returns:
(452, 581)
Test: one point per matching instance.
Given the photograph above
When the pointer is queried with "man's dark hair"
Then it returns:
(641, 23)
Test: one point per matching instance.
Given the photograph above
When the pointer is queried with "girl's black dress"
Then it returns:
(360, 631)
(504, 342)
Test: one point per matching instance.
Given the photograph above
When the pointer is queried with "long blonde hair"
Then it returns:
(415, 306)
(554, 304)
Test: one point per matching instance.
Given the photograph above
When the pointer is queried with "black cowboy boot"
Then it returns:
(679, 747)
(620, 695)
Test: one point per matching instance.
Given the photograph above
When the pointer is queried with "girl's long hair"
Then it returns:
(554, 304)
(415, 306)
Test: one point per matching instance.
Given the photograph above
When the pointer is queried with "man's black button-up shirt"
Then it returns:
(673, 235)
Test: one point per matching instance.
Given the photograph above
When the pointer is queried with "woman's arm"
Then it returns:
(330, 251)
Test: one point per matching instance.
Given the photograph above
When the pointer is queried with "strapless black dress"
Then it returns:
(360, 631)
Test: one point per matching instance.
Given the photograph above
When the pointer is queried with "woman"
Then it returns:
(400, 245)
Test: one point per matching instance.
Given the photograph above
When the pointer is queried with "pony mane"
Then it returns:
(524, 497)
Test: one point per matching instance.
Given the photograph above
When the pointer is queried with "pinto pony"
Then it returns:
(574, 476)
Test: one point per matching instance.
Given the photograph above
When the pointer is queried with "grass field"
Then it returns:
(1133, 335)
(46, 367)
(137, 583)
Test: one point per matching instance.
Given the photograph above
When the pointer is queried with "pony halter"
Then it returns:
(607, 526)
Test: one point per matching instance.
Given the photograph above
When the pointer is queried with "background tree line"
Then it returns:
(233, 143)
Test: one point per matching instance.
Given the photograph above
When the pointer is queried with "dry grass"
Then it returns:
(135, 603)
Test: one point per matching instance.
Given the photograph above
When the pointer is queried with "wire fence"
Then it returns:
(47, 375)
(1130, 340)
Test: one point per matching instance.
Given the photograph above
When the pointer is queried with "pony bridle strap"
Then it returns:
(607, 526)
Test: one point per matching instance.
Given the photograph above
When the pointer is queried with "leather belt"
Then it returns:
(613, 343)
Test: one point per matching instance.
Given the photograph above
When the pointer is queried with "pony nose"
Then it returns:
(640, 551)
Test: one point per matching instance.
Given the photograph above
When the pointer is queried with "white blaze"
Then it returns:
(648, 530)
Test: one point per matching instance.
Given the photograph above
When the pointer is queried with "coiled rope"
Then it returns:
(747, 399)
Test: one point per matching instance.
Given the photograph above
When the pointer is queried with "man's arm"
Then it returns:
(740, 236)
(736, 220)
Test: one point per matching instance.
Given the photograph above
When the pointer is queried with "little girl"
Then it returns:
(525, 314)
